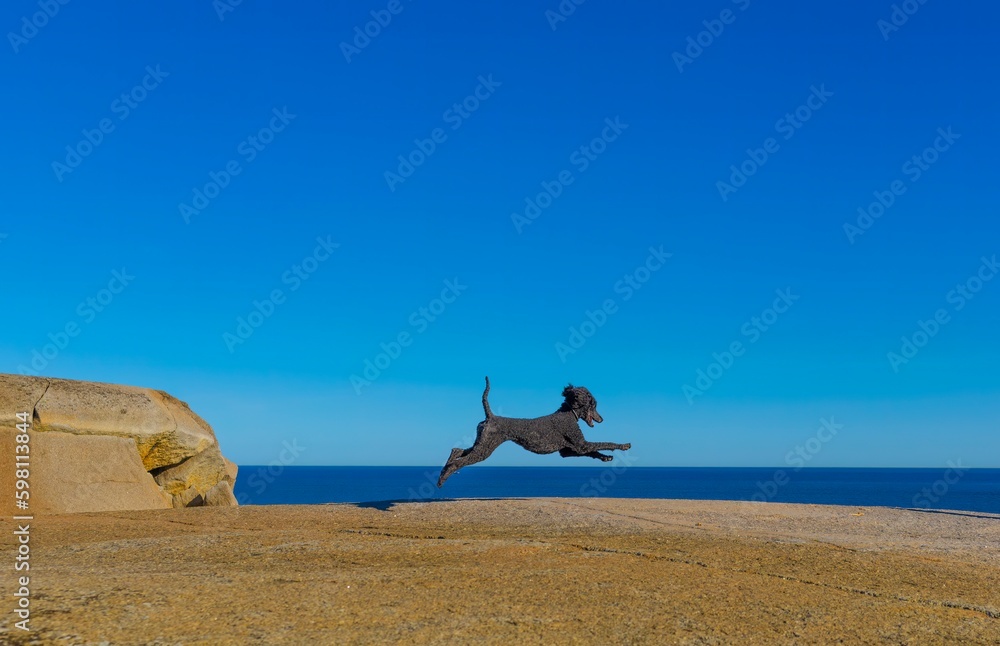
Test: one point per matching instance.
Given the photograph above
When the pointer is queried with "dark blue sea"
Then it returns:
(957, 488)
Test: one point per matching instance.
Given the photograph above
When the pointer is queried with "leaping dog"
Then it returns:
(559, 431)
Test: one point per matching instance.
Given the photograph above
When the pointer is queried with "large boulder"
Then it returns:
(199, 473)
(107, 447)
(72, 473)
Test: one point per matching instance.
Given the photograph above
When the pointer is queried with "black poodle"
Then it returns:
(556, 432)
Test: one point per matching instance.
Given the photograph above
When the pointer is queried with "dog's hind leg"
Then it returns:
(450, 466)
(486, 444)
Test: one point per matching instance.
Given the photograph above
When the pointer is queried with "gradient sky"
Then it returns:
(885, 95)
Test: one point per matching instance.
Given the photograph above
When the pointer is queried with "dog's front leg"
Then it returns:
(587, 447)
(570, 453)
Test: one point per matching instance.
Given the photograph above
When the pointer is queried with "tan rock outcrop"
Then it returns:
(221, 495)
(19, 395)
(176, 450)
(188, 498)
(164, 429)
(231, 471)
(73, 473)
(200, 472)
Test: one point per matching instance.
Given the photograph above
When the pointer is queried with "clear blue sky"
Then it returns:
(874, 97)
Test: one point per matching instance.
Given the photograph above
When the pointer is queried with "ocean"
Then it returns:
(956, 488)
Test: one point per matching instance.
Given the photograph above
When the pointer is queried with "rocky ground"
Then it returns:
(545, 571)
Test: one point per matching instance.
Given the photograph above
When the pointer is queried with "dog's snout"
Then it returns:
(597, 417)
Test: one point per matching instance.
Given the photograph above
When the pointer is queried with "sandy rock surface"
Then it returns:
(539, 571)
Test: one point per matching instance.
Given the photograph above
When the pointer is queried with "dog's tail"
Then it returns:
(486, 402)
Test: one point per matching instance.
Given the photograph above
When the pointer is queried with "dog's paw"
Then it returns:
(626, 447)
(606, 458)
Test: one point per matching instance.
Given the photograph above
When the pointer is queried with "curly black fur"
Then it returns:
(559, 431)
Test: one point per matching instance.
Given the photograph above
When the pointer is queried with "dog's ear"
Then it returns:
(586, 399)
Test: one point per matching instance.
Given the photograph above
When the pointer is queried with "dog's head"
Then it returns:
(580, 401)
